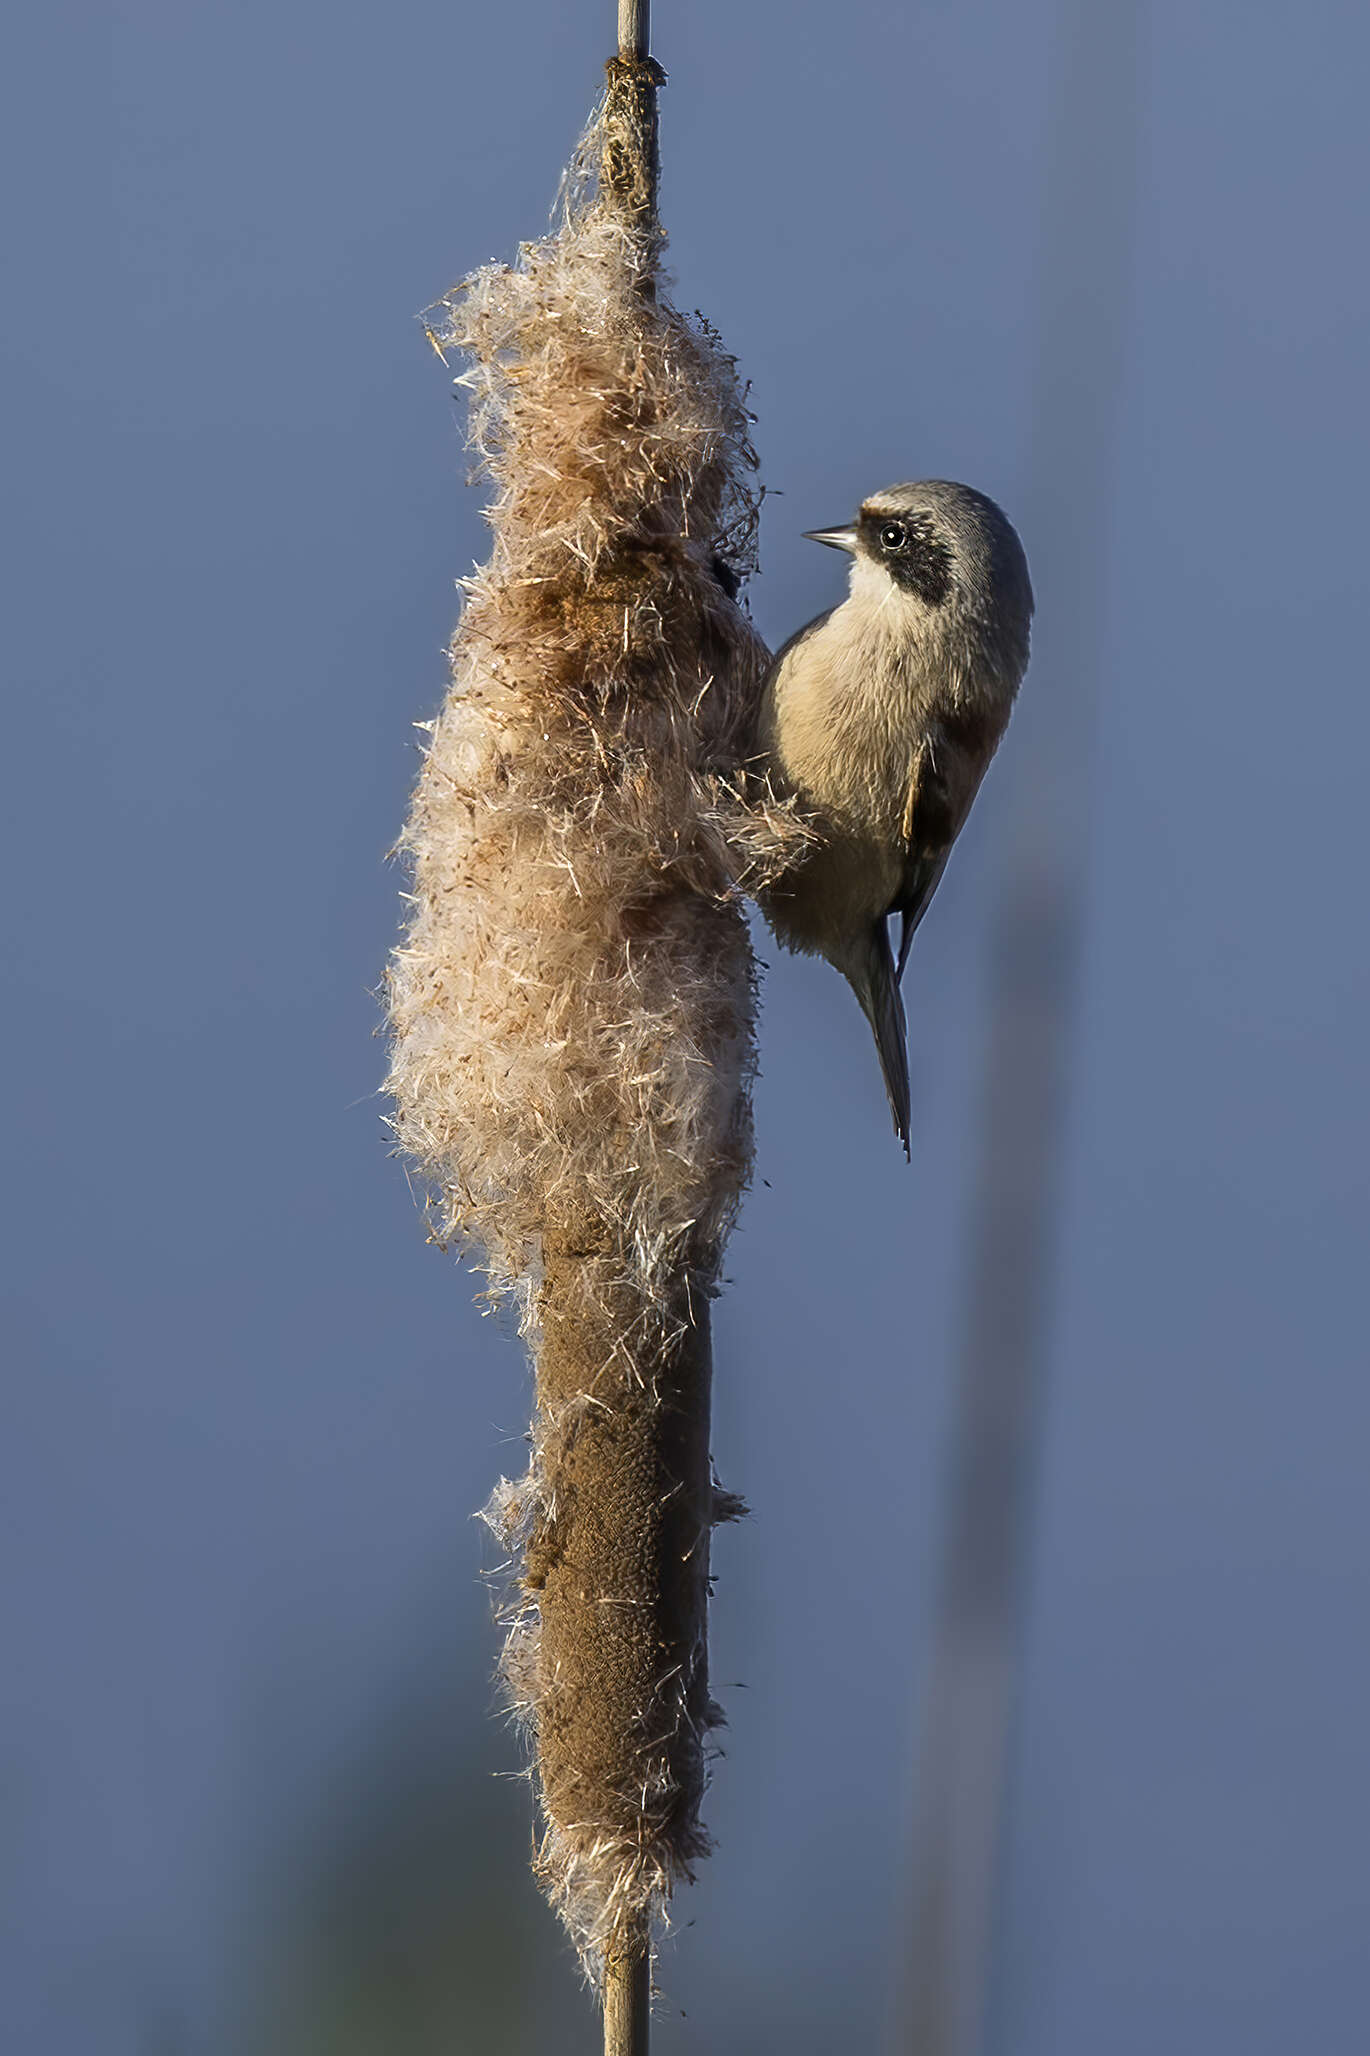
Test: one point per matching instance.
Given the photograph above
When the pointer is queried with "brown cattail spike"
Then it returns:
(572, 1004)
(631, 167)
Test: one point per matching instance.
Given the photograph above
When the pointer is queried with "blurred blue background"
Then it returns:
(254, 1800)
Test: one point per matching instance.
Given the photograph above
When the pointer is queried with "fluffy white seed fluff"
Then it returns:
(571, 1006)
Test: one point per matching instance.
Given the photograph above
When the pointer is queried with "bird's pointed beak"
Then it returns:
(835, 538)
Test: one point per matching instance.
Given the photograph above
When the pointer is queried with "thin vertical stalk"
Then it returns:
(634, 28)
(631, 176)
(628, 1999)
(962, 1773)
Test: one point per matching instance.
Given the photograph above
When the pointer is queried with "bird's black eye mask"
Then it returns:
(911, 551)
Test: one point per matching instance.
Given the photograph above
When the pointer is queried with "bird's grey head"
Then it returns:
(949, 552)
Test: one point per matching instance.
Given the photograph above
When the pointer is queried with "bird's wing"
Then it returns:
(922, 876)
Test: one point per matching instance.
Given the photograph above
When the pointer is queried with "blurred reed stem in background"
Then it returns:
(945, 1981)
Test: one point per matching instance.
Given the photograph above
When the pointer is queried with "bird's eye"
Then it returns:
(893, 536)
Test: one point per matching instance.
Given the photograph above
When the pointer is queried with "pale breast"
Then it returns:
(844, 715)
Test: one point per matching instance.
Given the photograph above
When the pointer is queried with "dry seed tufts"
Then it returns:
(572, 1004)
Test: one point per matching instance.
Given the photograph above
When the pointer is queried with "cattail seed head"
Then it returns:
(571, 1006)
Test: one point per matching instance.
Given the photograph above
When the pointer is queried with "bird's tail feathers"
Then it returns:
(873, 979)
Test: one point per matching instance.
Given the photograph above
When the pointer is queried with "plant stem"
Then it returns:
(628, 1999)
(965, 1750)
(634, 28)
(628, 1965)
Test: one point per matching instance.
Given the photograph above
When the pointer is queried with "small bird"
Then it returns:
(881, 718)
